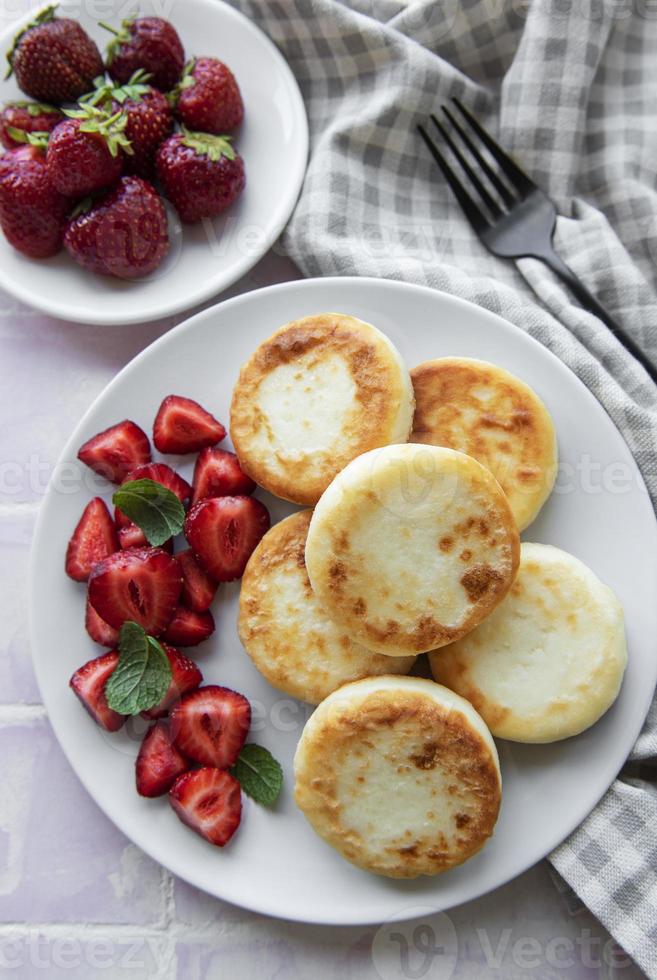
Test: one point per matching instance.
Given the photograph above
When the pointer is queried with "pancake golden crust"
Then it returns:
(411, 547)
(317, 393)
(399, 775)
(283, 628)
(549, 661)
(488, 413)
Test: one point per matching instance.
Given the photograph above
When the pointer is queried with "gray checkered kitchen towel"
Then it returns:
(570, 87)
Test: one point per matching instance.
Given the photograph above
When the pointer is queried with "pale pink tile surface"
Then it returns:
(77, 899)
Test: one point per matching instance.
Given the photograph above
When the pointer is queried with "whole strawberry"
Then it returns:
(26, 117)
(86, 151)
(123, 234)
(201, 174)
(54, 59)
(32, 212)
(207, 98)
(149, 118)
(149, 43)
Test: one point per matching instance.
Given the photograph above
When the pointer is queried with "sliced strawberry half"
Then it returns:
(89, 684)
(223, 532)
(99, 631)
(210, 725)
(209, 801)
(189, 628)
(185, 677)
(198, 589)
(158, 762)
(217, 473)
(142, 585)
(93, 539)
(183, 426)
(131, 536)
(158, 473)
(116, 451)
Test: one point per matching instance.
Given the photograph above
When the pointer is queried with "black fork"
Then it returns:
(511, 215)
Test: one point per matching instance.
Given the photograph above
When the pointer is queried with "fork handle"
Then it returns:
(589, 302)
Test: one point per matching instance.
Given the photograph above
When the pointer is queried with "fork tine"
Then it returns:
(499, 186)
(472, 212)
(490, 203)
(516, 175)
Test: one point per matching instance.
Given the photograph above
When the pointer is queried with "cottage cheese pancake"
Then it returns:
(411, 547)
(490, 414)
(550, 659)
(399, 775)
(284, 629)
(319, 392)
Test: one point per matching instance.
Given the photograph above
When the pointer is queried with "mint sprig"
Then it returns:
(143, 674)
(259, 774)
(152, 507)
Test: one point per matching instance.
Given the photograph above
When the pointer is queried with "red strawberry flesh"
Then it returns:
(185, 677)
(158, 763)
(208, 801)
(89, 684)
(99, 631)
(189, 628)
(223, 533)
(217, 473)
(93, 539)
(210, 725)
(116, 451)
(183, 426)
(199, 589)
(142, 585)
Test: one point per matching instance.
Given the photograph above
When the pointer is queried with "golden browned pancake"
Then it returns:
(486, 412)
(284, 629)
(549, 661)
(411, 547)
(399, 775)
(319, 392)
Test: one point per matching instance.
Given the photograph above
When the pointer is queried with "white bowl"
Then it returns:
(205, 258)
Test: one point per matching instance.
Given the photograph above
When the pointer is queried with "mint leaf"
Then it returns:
(259, 774)
(154, 508)
(143, 674)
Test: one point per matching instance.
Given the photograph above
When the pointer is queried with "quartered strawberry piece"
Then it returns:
(185, 677)
(93, 539)
(132, 536)
(158, 762)
(210, 725)
(217, 473)
(183, 426)
(89, 684)
(116, 451)
(99, 631)
(142, 585)
(198, 589)
(158, 473)
(224, 531)
(189, 628)
(209, 801)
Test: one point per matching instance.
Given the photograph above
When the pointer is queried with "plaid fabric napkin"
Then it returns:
(571, 90)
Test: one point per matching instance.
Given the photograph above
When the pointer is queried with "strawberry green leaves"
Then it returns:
(153, 508)
(142, 675)
(214, 147)
(259, 774)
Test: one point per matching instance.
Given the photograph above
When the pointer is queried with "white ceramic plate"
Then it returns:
(204, 258)
(276, 864)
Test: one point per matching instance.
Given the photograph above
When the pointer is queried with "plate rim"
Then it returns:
(60, 311)
(113, 813)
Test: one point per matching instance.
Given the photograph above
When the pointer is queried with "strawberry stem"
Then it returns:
(214, 147)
